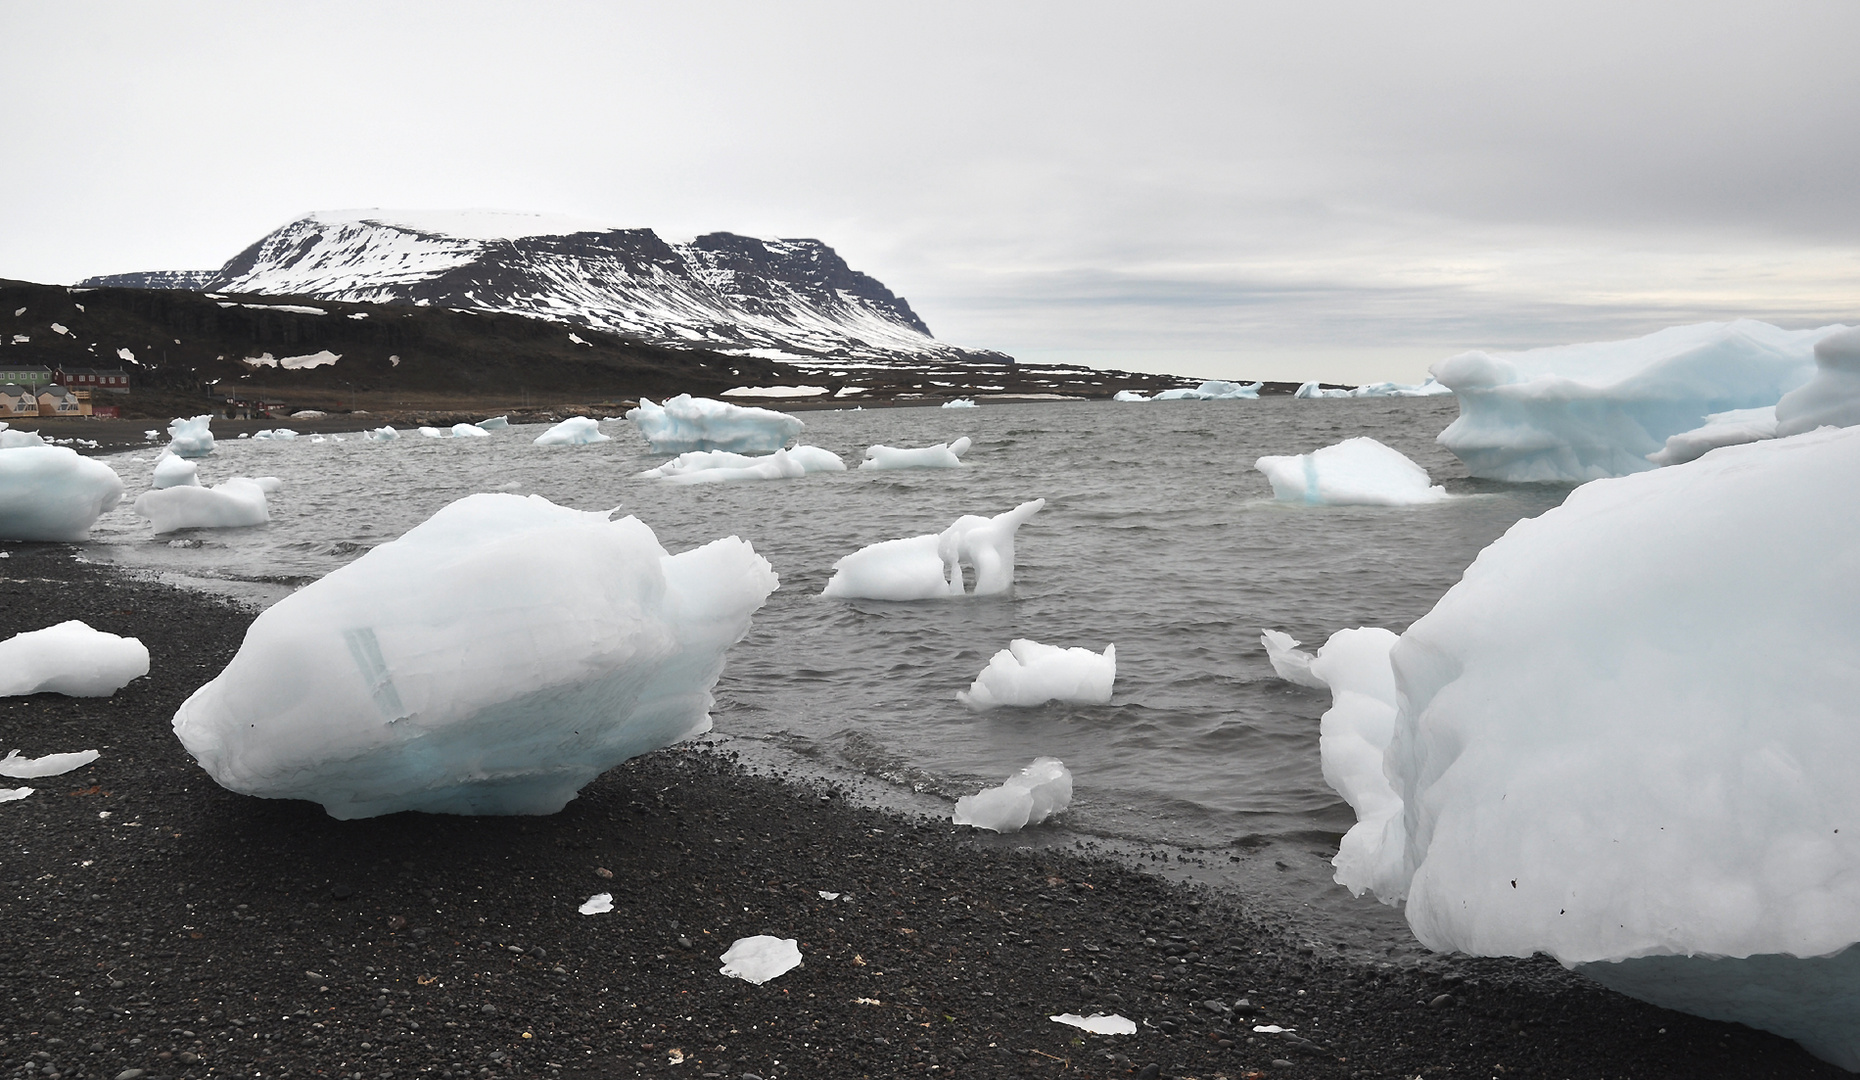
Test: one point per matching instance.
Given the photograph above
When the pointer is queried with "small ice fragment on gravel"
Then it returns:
(49, 765)
(598, 904)
(1098, 1023)
(825, 895)
(759, 959)
(1270, 1029)
(14, 794)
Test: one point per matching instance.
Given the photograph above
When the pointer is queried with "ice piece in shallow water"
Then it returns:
(493, 660)
(722, 466)
(1580, 412)
(1128, 395)
(1354, 472)
(1098, 1023)
(940, 456)
(574, 431)
(236, 503)
(959, 403)
(930, 567)
(598, 904)
(1353, 738)
(72, 659)
(760, 958)
(191, 438)
(1029, 673)
(494, 423)
(172, 470)
(687, 423)
(53, 493)
(1832, 396)
(1029, 797)
(385, 433)
(25, 768)
(1596, 759)
(1289, 662)
(1720, 429)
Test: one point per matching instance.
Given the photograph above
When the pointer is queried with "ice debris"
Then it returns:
(282, 434)
(760, 958)
(1128, 395)
(1098, 1023)
(574, 431)
(940, 456)
(71, 659)
(722, 466)
(493, 660)
(53, 493)
(1029, 797)
(959, 403)
(1029, 673)
(687, 423)
(25, 768)
(235, 503)
(15, 794)
(191, 437)
(1593, 757)
(385, 433)
(494, 423)
(929, 567)
(1289, 662)
(598, 904)
(1354, 472)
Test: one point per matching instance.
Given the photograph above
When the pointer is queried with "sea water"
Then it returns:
(1158, 536)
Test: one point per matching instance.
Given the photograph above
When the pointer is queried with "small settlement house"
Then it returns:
(55, 400)
(115, 380)
(17, 400)
(30, 376)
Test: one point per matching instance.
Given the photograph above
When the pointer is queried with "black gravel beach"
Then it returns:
(159, 926)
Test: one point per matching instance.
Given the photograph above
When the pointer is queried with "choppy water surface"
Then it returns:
(1157, 535)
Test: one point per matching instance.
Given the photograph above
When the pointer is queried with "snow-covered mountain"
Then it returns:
(790, 300)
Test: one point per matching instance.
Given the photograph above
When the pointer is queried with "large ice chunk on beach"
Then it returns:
(71, 659)
(1579, 412)
(191, 437)
(1354, 472)
(930, 567)
(574, 431)
(1596, 756)
(1029, 673)
(493, 660)
(687, 423)
(1029, 797)
(53, 493)
(1832, 396)
(940, 456)
(236, 503)
(722, 467)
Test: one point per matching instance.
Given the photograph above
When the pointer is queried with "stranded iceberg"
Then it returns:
(687, 423)
(1580, 412)
(1580, 751)
(53, 493)
(940, 456)
(723, 467)
(72, 659)
(930, 567)
(1029, 797)
(1029, 673)
(1354, 472)
(493, 660)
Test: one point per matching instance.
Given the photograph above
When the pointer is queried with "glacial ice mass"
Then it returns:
(941, 456)
(52, 493)
(930, 567)
(686, 423)
(1354, 472)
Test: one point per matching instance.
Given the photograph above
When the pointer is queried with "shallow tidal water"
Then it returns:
(1157, 536)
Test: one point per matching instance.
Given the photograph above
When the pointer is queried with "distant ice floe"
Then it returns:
(493, 660)
(494, 423)
(1128, 395)
(1354, 472)
(52, 493)
(385, 433)
(1572, 413)
(191, 437)
(940, 456)
(1028, 673)
(760, 958)
(1579, 751)
(723, 467)
(959, 403)
(1430, 388)
(775, 391)
(1029, 797)
(1212, 390)
(282, 434)
(236, 503)
(930, 567)
(686, 423)
(71, 659)
(574, 431)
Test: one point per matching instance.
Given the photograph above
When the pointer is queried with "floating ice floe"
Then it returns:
(1128, 395)
(71, 659)
(1212, 390)
(384, 433)
(1580, 412)
(775, 391)
(574, 431)
(25, 768)
(722, 466)
(1832, 396)
(53, 493)
(1029, 797)
(940, 456)
(1592, 756)
(1029, 673)
(468, 431)
(235, 503)
(282, 434)
(494, 423)
(687, 423)
(598, 904)
(1289, 662)
(959, 403)
(1354, 472)
(760, 958)
(1098, 1023)
(1719, 429)
(1430, 388)
(930, 567)
(191, 438)
(493, 660)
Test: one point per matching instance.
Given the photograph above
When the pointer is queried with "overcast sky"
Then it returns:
(1344, 191)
